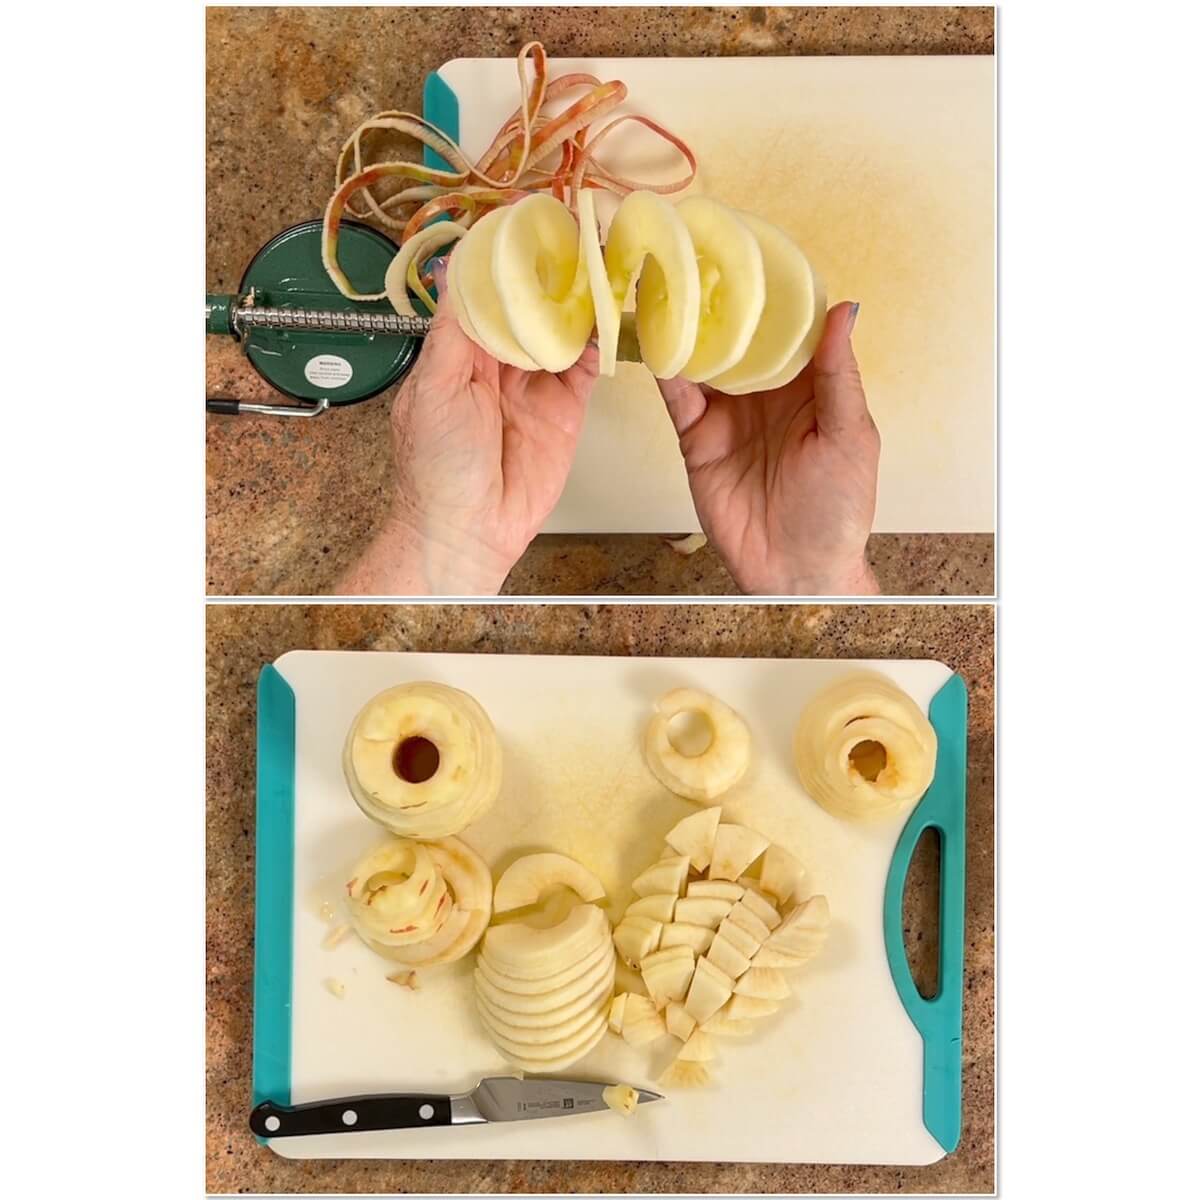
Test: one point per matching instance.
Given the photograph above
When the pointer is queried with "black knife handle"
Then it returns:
(348, 1115)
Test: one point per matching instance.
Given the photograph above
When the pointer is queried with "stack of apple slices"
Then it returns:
(543, 993)
(420, 903)
(722, 296)
(713, 944)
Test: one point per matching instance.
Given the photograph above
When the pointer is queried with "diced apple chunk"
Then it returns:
(781, 874)
(720, 1025)
(657, 908)
(621, 1098)
(685, 1075)
(616, 1012)
(711, 988)
(744, 917)
(750, 1008)
(697, 910)
(668, 973)
(766, 983)
(694, 836)
(735, 848)
(668, 875)
(803, 931)
(761, 907)
(776, 960)
(697, 938)
(726, 957)
(745, 943)
(642, 1033)
(718, 889)
(635, 937)
(680, 1023)
(698, 1048)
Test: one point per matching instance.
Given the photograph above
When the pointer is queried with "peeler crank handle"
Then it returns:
(231, 408)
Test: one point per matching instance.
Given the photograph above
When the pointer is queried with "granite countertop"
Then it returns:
(241, 638)
(290, 503)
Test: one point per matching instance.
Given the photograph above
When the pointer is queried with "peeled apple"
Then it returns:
(421, 904)
(545, 995)
(851, 713)
(718, 295)
(713, 771)
(449, 727)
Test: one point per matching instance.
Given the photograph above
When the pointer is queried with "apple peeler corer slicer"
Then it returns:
(303, 336)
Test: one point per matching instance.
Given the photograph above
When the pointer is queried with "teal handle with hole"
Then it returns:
(274, 853)
(439, 107)
(938, 1019)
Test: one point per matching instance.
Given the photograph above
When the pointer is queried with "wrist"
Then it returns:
(852, 578)
(407, 558)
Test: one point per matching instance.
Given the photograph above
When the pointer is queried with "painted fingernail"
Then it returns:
(853, 318)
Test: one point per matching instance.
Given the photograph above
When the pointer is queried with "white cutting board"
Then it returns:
(883, 169)
(836, 1076)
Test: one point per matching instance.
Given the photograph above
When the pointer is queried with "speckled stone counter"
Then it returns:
(241, 638)
(290, 503)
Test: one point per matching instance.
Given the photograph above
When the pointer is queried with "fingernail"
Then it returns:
(853, 318)
(593, 344)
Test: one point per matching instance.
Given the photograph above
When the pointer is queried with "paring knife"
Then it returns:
(500, 1098)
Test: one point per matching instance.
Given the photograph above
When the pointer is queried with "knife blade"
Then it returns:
(497, 1098)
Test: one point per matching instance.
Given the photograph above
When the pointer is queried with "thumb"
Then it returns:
(686, 402)
(447, 349)
(841, 403)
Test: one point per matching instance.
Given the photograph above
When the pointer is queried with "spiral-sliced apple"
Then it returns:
(647, 235)
(789, 314)
(732, 286)
(539, 267)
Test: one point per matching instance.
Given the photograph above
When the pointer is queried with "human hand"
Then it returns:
(481, 453)
(784, 481)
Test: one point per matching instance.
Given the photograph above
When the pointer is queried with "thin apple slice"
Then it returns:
(548, 1065)
(667, 875)
(529, 878)
(546, 983)
(607, 308)
(803, 931)
(528, 953)
(781, 874)
(710, 989)
(766, 983)
(697, 938)
(701, 911)
(548, 1029)
(694, 836)
(716, 889)
(616, 1012)
(561, 1053)
(744, 942)
(725, 956)
(736, 847)
(759, 905)
(537, 1004)
(750, 1008)
(698, 1048)
(657, 908)
(667, 974)
(680, 1023)
(711, 771)
(744, 917)
(635, 937)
